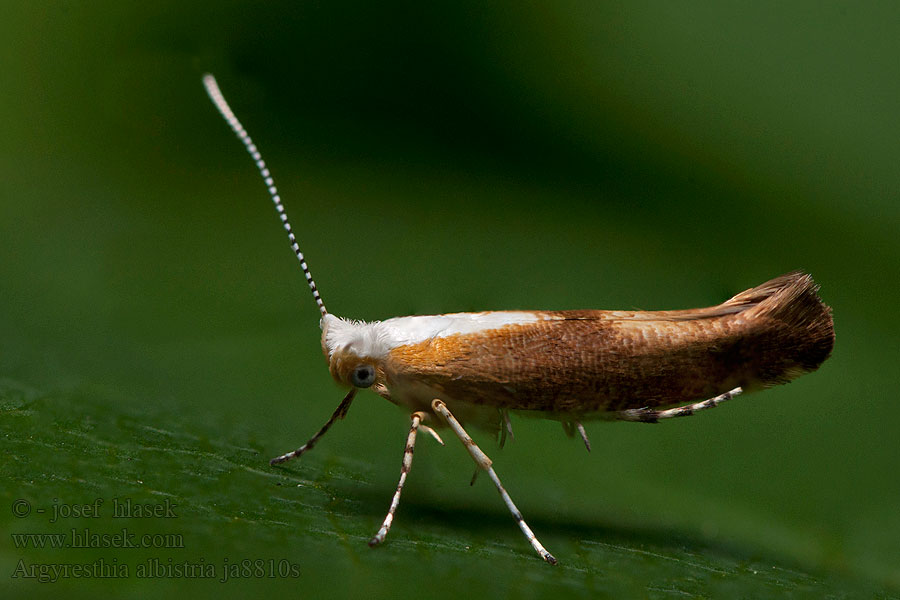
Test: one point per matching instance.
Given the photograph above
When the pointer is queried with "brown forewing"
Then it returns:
(583, 362)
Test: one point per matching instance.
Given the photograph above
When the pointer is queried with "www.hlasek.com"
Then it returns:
(155, 568)
(85, 538)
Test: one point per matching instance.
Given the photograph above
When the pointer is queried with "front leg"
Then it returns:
(485, 463)
(339, 413)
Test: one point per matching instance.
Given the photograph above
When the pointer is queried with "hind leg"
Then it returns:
(646, 415)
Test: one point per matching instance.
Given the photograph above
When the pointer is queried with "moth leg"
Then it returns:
(339, 413)
(431, 432)
(645, 415)
(505, 427)
(570, 427)
(485, 463)
(580, 428)
(417, 418)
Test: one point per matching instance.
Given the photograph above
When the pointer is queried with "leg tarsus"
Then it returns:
(339, 413)
(646, 415)
(580, 428)
(570, 427)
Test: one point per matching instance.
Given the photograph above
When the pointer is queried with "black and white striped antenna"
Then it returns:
(215, 94)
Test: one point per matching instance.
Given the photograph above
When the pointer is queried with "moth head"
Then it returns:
(353, 351)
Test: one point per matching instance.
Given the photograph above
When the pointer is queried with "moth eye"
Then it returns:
(363, 376)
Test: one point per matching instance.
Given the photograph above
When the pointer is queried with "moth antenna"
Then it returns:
(215, 94)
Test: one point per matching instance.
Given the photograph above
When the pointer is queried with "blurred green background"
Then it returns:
(157, 341)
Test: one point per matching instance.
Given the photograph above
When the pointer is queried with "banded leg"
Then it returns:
(646, 415)
(485, 463)
(339, 413)
(404, 470)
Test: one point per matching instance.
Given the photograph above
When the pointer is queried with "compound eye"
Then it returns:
(363, 376)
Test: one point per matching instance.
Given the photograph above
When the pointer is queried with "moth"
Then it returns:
(474, 369)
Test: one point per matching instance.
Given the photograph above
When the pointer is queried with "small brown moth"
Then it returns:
(570, 366)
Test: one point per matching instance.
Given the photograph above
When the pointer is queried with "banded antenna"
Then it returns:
(215, 94)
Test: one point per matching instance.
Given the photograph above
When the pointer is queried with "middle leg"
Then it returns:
(485, 463)
(417, 418)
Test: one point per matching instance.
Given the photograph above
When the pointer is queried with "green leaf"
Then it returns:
(306, 526)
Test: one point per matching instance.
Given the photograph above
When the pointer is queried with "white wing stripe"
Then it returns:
(378, 338)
